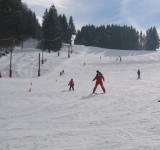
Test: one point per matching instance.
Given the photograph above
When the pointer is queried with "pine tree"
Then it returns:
(17, 23)
(78, 38)
(142, 41)
(71, 29)
(10, 23)
(152, 39)
(156, 38)
(51, 30)
(64, 28)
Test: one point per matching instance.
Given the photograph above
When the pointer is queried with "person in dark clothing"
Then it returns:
(138, 73)
(62, 71)
(99, 77)
(71, 84)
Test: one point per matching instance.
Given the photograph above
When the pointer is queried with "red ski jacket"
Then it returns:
(71, 83)
(99, 77)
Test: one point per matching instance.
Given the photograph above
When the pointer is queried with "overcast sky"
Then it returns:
(141, 14)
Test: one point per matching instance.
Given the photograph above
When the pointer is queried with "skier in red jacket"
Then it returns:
(71, 84)
(99, 77)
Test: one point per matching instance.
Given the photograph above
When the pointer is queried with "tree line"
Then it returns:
(56, 30)
(18, 22)
(118, 37)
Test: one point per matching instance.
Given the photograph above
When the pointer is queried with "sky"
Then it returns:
(141, 14)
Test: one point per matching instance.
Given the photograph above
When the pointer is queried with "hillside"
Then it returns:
(50, 117)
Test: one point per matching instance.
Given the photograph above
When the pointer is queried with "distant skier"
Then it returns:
(45, 60)
(99, 77)
(62, 71)
(120, 59)
(71, 84)
(138, 73)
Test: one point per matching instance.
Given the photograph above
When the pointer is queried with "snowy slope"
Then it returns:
(50, 117)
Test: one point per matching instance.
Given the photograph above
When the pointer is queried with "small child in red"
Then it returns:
(71, 84)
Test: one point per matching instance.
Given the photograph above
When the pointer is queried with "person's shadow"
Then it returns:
(65, 91)
(88, 96)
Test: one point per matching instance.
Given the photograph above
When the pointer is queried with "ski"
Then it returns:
(98, 93)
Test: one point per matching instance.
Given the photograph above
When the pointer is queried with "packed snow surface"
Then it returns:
(50, 117)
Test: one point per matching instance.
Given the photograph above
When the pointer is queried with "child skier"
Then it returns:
(71, 84)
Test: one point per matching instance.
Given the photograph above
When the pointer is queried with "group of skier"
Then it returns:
(99, 81)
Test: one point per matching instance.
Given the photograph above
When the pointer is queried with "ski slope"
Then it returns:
(50, 117)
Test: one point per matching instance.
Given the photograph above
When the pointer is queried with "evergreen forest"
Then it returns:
(117, 37)
(18, 22)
